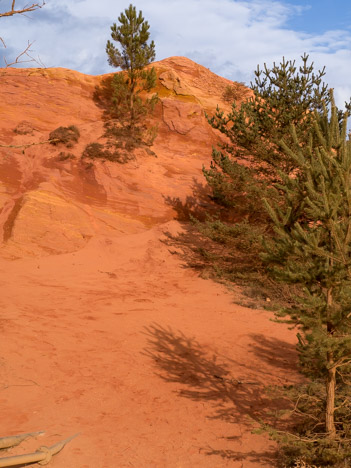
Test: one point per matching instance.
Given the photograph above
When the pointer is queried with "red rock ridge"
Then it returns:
(71, 204)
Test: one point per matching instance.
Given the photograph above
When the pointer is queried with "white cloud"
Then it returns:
(229, 37)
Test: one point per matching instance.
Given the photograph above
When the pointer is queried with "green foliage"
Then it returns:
(122, 103)
(65, 135)
(282, 147)
(243, 169)
(134, 55)
(127, 139)
(132, 34)
(282, 96)
(314, 248)
(238, 246)
(311, 247)
(123, 95)
(99, 151)
(235, 185)
(94, 151)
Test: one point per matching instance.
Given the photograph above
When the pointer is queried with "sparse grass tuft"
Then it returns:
(24, 128)
(94, 151)
(234, 92)
(99, 151)
(65, 135)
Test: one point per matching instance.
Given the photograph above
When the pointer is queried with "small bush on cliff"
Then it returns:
(65, 135)
(24, 128)
(99, 151)
(234, 92)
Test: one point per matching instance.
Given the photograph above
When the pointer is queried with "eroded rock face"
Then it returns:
(171, 81)
(53, 202)
(42, 220)
(183, 117)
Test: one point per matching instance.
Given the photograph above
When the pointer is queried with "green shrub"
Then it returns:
(94, 151)
(127, 139)
(66, 135)
(98, 151)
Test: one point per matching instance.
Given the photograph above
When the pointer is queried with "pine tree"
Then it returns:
(281, 96)
(313, 250)
(134, 55)
(243, 169)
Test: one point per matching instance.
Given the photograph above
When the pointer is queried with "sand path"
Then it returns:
(120, 343)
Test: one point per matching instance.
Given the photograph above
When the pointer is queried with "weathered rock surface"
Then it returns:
(72, 202)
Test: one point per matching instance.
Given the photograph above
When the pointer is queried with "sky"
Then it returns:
(230, 37)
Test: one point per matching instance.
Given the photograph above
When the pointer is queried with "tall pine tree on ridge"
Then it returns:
(136, 53)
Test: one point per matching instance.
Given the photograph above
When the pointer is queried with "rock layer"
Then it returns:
(72, 201)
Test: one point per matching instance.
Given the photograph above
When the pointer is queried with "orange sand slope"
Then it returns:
(104, 332)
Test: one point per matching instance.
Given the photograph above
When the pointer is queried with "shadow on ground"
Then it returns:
(198, 205)
(212, 378)
(275, 352)
(194, 248)
(224, 247)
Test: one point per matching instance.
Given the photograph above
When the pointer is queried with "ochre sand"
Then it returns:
(122, 344)
(105, 330)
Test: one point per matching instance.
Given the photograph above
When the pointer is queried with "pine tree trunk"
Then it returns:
(330, 403)
(131, 104)
(131, 97)
(331, 378)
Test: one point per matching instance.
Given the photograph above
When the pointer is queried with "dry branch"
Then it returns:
(29, 144)
(27, 9)
(22, 11)
(24, 53)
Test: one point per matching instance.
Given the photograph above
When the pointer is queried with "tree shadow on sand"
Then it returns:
(208, 377)
(193, 248)
(199, 205)
(225, 247)
(103, 96)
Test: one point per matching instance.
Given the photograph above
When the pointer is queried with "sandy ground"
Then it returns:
(121, 343)
(104, 331)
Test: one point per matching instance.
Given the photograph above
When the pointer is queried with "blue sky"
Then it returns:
(317, 16)
(231, 37)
